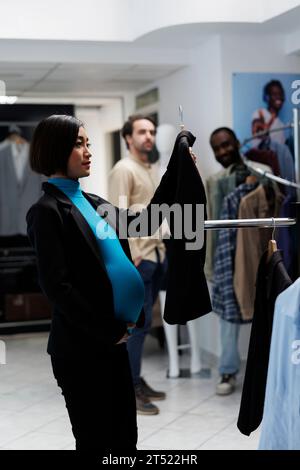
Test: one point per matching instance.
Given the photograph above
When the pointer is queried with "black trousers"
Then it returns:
(100, 400)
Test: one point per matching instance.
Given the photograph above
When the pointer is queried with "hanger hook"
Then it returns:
(274, 228)
(181, 117)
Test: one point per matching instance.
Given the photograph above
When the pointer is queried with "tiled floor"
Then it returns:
(33, 415)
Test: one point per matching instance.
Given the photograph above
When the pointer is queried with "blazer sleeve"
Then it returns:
(45, 232)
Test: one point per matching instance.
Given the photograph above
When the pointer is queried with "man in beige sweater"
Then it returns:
(132, 183)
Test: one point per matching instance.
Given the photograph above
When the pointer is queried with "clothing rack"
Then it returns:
(246, 223)
(267, 132)
(293, 125)
(268, 175)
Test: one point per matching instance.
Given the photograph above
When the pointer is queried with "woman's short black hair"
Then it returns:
(53, 141)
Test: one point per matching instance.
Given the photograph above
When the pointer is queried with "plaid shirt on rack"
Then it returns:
(223, 297)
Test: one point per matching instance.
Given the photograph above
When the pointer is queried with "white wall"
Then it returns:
(198, 88)
(98, 123)
(124, 20)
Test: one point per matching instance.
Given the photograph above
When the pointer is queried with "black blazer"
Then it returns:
(72, 273)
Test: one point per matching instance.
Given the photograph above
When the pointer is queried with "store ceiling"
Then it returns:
(22, 79)
(89, 69)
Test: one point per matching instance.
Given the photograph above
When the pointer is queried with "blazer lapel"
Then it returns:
(87, 233)
(101, 206)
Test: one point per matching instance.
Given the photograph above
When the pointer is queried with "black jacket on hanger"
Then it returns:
(272, 279)
(187, 295)
(72, 272)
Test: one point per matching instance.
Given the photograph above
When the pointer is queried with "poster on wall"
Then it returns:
(264, 101)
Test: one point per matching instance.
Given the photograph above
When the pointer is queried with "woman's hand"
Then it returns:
(192, 155)
(138, 261)
(128, 333)
(194, 158)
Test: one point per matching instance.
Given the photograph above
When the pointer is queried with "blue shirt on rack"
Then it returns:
(281, 420)
(127, 284)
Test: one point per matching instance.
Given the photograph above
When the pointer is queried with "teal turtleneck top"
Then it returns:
(127, 284)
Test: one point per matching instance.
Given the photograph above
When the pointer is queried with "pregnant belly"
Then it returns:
(128, 291)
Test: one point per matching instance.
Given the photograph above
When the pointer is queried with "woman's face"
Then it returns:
(79, 161)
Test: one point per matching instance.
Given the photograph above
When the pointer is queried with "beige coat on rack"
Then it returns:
(251, 243)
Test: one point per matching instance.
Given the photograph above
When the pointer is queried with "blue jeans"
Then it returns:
(230, 357)
(153, 275)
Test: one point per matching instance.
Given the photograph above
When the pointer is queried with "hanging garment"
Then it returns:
(218, 187)
(271, 280)
(16, 196)
(20, 154)
(281, 420)
(251, 243)
(187, 294)
(212, 189)
(223, 296)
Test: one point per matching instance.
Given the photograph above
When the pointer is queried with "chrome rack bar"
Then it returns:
(246, 223)
(270, 176)
(267, 132)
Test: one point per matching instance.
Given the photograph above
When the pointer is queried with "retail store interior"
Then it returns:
(200, 66)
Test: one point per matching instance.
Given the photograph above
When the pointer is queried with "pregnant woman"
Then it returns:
(86, 272)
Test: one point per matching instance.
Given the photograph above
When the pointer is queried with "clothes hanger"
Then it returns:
(181, 118)
(17, 139)
(268, 175)
(251, 179)
(182, 128)
(272, 245)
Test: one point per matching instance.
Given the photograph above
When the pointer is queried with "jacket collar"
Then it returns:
(60, 196)
(99, 204)
(55, 192)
